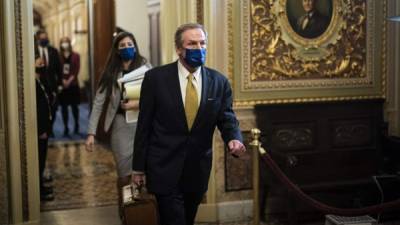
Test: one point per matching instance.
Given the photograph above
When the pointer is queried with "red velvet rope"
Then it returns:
(321, 206)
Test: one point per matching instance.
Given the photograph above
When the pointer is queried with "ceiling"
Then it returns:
(43, 6)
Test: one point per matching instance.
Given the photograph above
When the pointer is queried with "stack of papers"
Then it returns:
(131, 83)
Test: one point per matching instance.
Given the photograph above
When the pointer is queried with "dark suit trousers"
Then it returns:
(42, 158)
(178, 208)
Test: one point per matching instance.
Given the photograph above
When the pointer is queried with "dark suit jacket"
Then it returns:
(170, 154)
(316, 25)
(42, 109)
(52, 78)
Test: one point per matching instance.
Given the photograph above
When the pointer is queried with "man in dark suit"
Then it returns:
(180, 105)
(43, 112)
(52, 75)
(312, 24)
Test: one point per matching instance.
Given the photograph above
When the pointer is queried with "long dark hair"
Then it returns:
(114, 63)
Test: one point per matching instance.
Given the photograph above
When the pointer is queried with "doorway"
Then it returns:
(81, 179)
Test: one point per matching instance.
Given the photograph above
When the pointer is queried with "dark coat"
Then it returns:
(75, 64)
(316, 25)
(43, 110)
(71, 94)
(52, 77)
(168, 152)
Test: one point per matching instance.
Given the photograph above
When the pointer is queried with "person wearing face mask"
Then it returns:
(52, 75)
(123, 58)
(70, 94)
(181, 104)
(43, 112)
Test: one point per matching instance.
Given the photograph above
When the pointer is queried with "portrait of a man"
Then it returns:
(312, 23)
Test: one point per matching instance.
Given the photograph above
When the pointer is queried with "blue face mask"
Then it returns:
(127, 53)
(195, 57)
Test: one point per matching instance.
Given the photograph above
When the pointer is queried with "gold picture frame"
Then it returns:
(272, 63)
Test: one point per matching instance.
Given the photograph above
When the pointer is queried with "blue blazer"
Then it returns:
(168, 152)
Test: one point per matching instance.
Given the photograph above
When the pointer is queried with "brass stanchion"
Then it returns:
(255, 145)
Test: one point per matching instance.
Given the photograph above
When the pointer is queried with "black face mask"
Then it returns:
(44, 42)
(40, 70)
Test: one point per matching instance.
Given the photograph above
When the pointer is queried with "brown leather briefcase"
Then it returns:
(140, 208)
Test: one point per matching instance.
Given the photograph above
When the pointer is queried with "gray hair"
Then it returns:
(183, 28)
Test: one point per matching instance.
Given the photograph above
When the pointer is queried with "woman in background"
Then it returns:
(123, 58)
(70, 95)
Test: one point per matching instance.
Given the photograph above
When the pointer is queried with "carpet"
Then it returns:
(80, 178)
(58, 127)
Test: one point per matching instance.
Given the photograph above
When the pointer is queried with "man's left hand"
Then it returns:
(236, 148)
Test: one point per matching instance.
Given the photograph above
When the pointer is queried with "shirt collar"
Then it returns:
(184, 72)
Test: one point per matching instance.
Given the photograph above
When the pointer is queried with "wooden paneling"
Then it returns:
(104, 26)
(328, 149)
(4, 207)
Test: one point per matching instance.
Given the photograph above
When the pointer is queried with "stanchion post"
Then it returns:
(255, 145)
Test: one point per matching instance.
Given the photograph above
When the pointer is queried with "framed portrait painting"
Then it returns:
(309, 18)
(308, 50)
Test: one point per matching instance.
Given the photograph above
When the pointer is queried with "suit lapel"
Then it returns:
(175, 90)
(206, 83)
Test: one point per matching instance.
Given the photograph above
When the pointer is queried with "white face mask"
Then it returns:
(65, 45)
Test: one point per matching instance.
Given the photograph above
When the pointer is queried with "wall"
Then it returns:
(155, 47)
(19, 146)
(133, 17)
(393, 67)
(174, 13)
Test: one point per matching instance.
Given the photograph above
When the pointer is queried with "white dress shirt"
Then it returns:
(183, 73)
(44, 53)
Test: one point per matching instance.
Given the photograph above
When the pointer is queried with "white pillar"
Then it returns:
(173, 14)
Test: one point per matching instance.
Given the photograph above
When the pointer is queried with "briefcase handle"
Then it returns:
(137, 191)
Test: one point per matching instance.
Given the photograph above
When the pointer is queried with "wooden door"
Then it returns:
(104, 26)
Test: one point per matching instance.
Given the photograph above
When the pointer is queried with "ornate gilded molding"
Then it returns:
(279, 58)
(200, 11)
(21, 108)
(294, 137)
(230, 30)
(250, 103)
(275, 59)
(384, 49)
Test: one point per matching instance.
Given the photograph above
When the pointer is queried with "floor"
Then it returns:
(109, 216)
(80, 178)
(58, 128)
(93, 216)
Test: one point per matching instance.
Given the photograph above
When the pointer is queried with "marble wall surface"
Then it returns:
(234, 176)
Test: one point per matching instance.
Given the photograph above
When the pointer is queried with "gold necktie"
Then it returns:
(191, 100)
